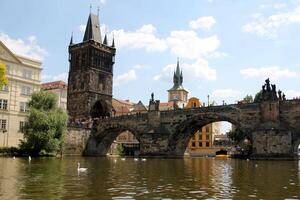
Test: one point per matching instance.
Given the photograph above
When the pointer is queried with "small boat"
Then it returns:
(222, 154)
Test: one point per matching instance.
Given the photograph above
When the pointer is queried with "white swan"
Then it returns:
(144, 159)
(14, 157)
(135, 159)
(29, 158)
(80, 169)
(123, 159)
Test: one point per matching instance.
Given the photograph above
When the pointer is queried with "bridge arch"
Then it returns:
(296, 147)
(179, 140)
(101, 140)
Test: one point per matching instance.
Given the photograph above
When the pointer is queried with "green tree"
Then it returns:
(236, 135)
(45, 126)
(258, 97)
(120, 149)
(248, 99)
(3, 78)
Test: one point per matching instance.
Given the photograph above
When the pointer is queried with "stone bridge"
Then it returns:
(273, 128)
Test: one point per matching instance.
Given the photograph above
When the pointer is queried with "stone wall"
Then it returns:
(272, 143)
(75, 141)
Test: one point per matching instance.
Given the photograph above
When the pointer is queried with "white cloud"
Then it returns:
(275, 5)
(187, 44)
(59, 77)
(198, 70)
(143, 38)
(269, 26)
(202, 22)
(290, 94)
(226, 93)
(125, 78)
(264, 72)
(103, 1)
(82, 28)
(27, 48)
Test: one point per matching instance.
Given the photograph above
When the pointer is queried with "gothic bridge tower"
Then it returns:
(90, 74)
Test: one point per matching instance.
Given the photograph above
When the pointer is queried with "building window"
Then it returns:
(3, 104)
(8, 69)
(200, 144)
(23, 106)
(193, 144)
(21, 127)
(194, 105)
(207, 144)
(207, 129)
(26, 90)
(3, 124)
(27, 73)
(207, 136)
(5, 88)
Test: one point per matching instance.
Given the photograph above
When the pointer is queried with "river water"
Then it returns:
(113, 178)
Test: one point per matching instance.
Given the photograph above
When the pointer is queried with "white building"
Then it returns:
(24, 77)
(60, 89)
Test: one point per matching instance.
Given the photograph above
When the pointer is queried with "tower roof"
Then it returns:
(177, 79)
(92, 30)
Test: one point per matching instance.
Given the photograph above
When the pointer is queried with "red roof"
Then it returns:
(54, 85)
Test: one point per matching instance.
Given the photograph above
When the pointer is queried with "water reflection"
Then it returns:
(112, 178)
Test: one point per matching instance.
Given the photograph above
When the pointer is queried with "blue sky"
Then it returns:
(226, 48)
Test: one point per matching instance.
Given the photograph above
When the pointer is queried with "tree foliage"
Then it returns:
(248, 99)
(45, 126)
(258, 97)
(3, 78)
(120, 149)
(236, 135)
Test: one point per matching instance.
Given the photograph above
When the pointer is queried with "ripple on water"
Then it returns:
(123, 197)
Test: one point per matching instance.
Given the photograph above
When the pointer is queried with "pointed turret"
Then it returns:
(113, 42)
(71, 40)
(105, 40)
(92, 30)
(181, 78)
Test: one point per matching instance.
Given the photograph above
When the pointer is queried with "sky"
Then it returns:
(226, 49)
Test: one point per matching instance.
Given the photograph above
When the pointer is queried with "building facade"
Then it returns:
(60, 89)
(90, 75)
(24, 77)
(177, 94)
(202, 141)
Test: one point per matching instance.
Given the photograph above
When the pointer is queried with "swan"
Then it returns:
(14, 157)
(123, 159)
(135, 159)
(29, 158)
(144, 159)
(80, 169)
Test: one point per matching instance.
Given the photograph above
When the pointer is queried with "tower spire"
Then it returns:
(105, 40)
(92, 30)
(71, 40)
(113, 42)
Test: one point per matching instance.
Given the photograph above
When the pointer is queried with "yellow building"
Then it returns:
(202, 142)
(24, 77)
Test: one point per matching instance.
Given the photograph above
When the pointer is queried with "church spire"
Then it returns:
(92, 30)
(178, 77)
